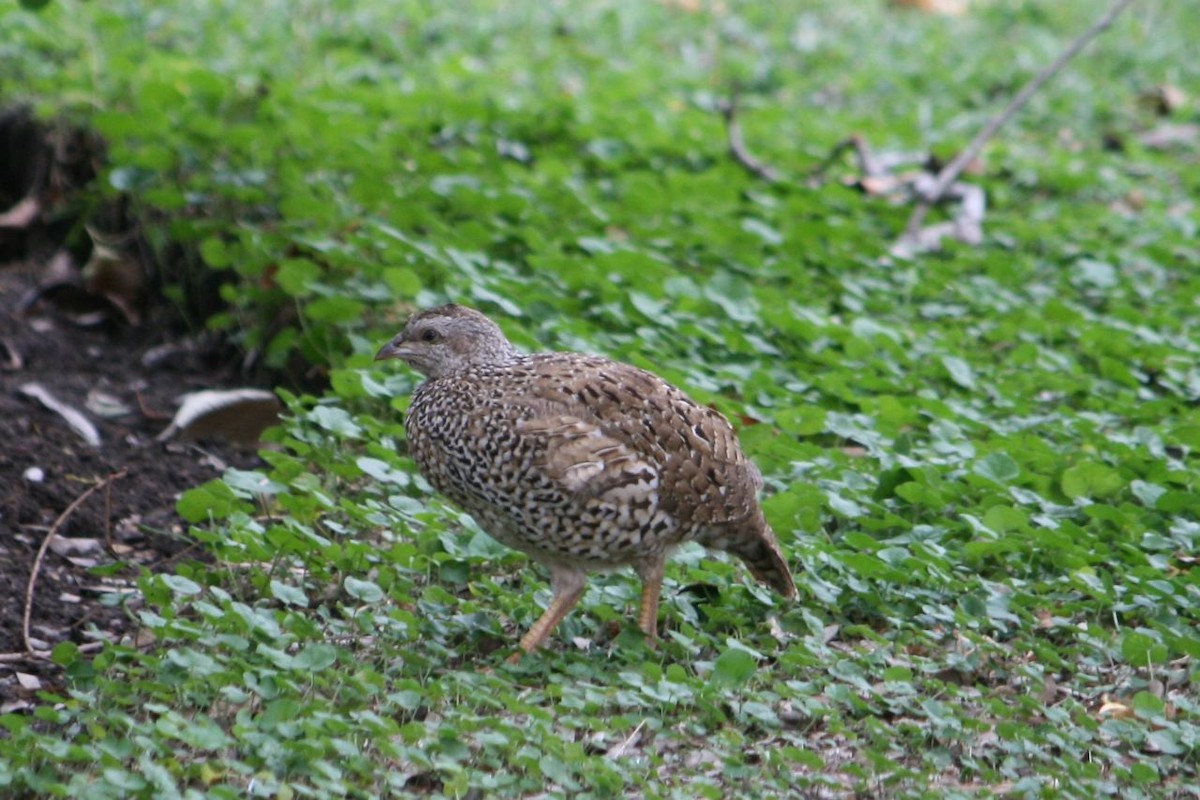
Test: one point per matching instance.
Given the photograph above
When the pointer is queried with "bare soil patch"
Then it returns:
(121, 369)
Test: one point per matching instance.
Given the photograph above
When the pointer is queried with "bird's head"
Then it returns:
(448, 340)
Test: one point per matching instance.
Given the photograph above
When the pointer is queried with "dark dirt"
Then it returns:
(135, 516)
(125, 375)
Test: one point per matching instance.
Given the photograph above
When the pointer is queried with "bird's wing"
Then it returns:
(581, 457)
(610, 427)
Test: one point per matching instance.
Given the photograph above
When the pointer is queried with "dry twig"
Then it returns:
(737, 144)
(30, 651)
(951, 171)
(623, 747)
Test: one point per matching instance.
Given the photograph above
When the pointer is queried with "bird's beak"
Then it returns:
(393, 349)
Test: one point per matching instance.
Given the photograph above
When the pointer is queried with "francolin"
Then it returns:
(582, 462)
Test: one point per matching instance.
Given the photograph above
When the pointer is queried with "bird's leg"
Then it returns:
(651, 572)
(568, 586)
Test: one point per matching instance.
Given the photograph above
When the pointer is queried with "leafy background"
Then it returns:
(982, 462)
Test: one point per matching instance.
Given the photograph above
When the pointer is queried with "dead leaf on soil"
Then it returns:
(71, 415)
(106, 405)
(59, 268)
(22, 215)
(1116, 711)
(888, 175)
(967, 224)
(239, 415)
(1165, 137)
(108, 286)
(696, 6)
(71, 546)
(116, 276)
(953, 8)
(29, 683)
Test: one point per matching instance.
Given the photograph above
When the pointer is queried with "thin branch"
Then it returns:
(852, 142)
(41, 554)
(620, 749)
(952, 170)
(737, 145)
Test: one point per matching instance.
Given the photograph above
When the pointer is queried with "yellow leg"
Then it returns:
(568, 587)
(651, 573)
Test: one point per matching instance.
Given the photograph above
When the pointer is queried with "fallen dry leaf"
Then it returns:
(952, 8)
(29, 683)
(239, 415)
(1165, 137)
(1115, 710)
(70, 546)
(104, 404)
(22, 215)
(116, 277)
(72, 416)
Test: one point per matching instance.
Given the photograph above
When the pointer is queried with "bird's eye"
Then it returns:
(429, 335)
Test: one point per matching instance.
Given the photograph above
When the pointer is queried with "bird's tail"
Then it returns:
(757, 546)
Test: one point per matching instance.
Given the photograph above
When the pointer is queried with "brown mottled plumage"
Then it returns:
(582, 462)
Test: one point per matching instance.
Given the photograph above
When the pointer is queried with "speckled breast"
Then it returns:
(463, 435)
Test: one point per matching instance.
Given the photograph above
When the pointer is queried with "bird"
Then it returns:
(584, 463)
